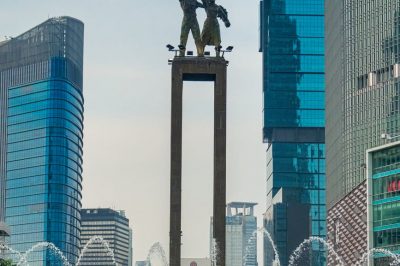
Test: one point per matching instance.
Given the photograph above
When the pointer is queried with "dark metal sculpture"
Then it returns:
(190, 23)
(211, 34)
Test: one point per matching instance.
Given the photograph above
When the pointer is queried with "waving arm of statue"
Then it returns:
(223, 14)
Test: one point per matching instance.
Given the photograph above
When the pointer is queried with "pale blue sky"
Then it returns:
(127, 112)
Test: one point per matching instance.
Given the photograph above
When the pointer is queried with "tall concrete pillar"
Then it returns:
(198, 69)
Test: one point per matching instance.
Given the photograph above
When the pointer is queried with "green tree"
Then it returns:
(4, 262)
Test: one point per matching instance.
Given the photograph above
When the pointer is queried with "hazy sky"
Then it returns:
(127, 113)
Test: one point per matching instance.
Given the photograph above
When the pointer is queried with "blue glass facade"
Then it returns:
(292, 43)
(293, 55)
(300, 169)
(44, 138)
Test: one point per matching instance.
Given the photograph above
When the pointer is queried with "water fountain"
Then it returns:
(251, 243)
(254, 238)
(45, 245)
(13, 251)
(306, 243)
(94, 240)
(157, 250)
(214, 252)
(23, 257)
(395, 262)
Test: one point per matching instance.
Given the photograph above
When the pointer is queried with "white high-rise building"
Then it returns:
(241, 248)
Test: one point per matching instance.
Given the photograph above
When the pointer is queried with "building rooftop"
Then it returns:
(102, 213)
(4, 42)
(238, 208)
(239, 204)
(30, 32)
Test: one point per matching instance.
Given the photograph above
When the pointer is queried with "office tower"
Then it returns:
(292, 43)
(41, 122)
(112, 226)
(362, 66)
(241, 240)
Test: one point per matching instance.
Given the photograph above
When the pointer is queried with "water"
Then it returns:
(23, 257)
(12, 251)
(157, 251)
(250, 246)
(303, 247)
(214, 252)
(95, 240)
(306, 244)
(253, 238)
(45, 245)
(395, 262)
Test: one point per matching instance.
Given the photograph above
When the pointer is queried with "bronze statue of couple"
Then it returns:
(211, 34)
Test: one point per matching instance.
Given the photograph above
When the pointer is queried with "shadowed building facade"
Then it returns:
(212, 69)
(363, 92)
(292, 43)
(41, 107)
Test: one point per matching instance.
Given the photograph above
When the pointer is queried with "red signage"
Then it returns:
(393, 186)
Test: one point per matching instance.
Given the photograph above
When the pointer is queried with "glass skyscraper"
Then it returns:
(292, 43)
(41, 132)
(363, 92)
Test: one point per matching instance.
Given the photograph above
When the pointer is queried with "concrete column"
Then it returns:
(176, 167)
(220, 163)
(198, 69)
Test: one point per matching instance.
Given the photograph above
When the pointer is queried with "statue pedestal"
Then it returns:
(202, 69)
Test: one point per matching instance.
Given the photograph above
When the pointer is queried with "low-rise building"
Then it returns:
(195, 262)
(383, 186)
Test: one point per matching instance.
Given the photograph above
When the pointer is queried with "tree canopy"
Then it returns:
(4, 262)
